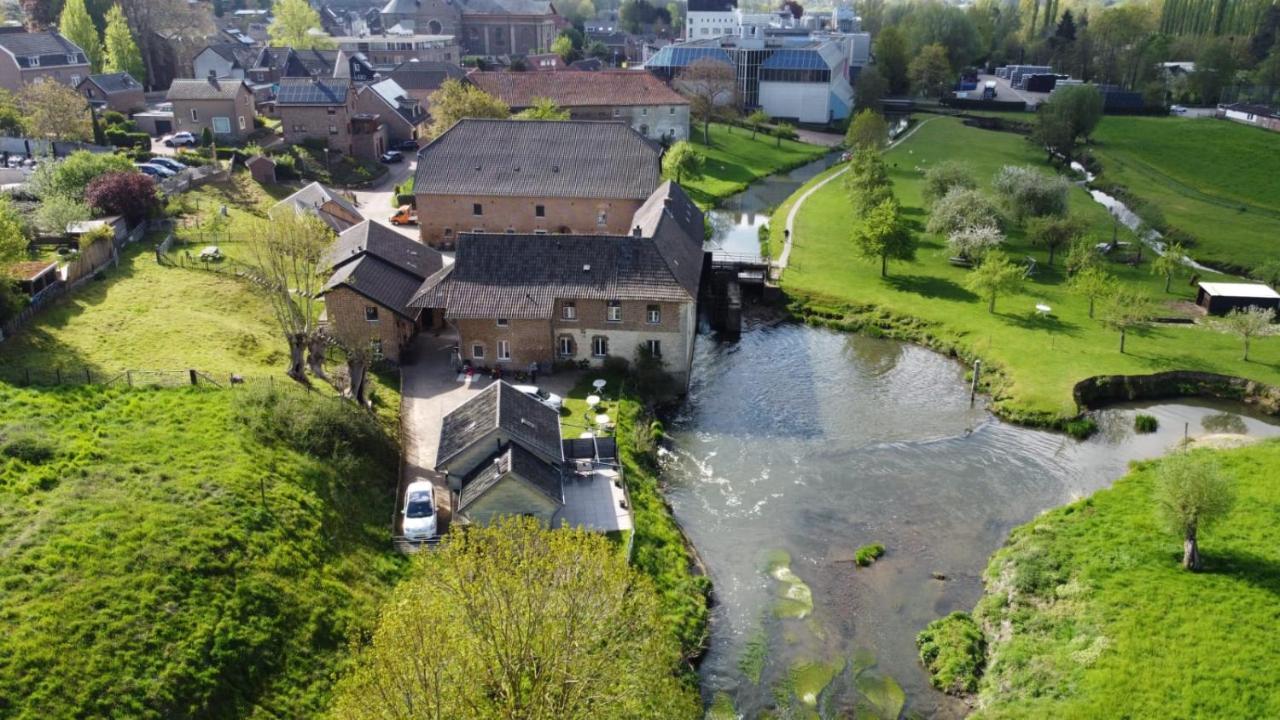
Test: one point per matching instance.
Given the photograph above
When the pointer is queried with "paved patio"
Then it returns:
(596, 503)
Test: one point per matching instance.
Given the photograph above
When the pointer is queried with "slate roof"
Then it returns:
(237, 55)
(380, 241)
(115, 82)
(515, 462)
(317, 63)
(311, 91)
(507, 7)
(417, 75)
(51, 47)
(539, 158)
(391, 93)
(312, 198)
(676, 225)
(522, 276)
(204, 89)
(577, 88)
(524, 419)
(279, 59)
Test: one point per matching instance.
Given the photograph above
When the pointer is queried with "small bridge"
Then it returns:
(748, 269)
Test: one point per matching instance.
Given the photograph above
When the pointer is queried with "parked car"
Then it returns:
(391, 156)
(551, 400)
(407, 146)
(405, 216)
(419, 511)
(181, 139)
(165, 162)
(14, 161)
(160, 170)
(1178, 110)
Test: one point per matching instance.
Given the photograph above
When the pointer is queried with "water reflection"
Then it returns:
(736, 221)
(804, 443)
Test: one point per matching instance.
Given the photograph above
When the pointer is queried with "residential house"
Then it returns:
(375, 273)
(313, 63)
(391, 49)
(635, 97)
(533, 176)
(325, 110)
(587, 65)
(1261, 116)
(224, 60)
(30, 57)
(420, 79)
(355, 67)
(502, 452)
(403, 115)
(334, 210)
(273, 63)
(623, 47)
(521, 299)
(490, 28)
(544, 61)
(224, 106)
(114, 91)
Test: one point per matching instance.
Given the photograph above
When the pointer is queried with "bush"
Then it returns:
(616, 365)
(1080, 428)
(30, 449)
(130, 194)
(963, 208)
(118, 137)
(1144, 423)
(868, 554)
(319, 426)
(206, 137)
(1028, 193)
(112, 117)
(192, 159)
(953, 651)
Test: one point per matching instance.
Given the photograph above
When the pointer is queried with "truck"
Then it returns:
(406, 215)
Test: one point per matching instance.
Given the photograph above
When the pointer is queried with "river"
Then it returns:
(797, 445)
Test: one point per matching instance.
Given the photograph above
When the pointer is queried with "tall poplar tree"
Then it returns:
(76, 25)
(121, 52)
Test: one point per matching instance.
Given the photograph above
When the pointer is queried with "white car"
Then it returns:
(419, 511)
(551, 400)
(181, 139)
(1178, 110)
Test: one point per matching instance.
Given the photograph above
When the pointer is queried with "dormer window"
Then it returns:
(72, 59)
(34, 61)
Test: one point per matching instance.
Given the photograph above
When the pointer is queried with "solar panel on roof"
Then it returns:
(794, 60)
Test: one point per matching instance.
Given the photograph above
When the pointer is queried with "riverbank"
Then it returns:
(1087, 612)
(1031, 363)
(733, 160)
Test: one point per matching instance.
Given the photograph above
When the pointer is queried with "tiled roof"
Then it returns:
(522, 276)
(712, 5)
(382, 242)
(576, 88)
(524, 419)
(587, 64)
(274, 58)
(515, 462)
(417, 75)
(379, 281)
(115, 82)
(51, 47)
(392, 94)
(313, 198)
(311, 91)
(539, 158)
(506, 7)
(318, 63)
(204, 89)
(235, 54)
(677, 227)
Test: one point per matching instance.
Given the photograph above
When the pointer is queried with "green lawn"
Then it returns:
(734, 160)
(925, 300)
(159, 559)
(1099, 619)
(1214, 179)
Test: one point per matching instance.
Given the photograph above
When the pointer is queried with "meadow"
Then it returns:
(733, 160)
(1037, 359)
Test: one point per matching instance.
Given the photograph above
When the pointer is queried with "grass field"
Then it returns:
(160, 559)
(734, 160)
(1103, 622)
(925, 300)
(1214, 179)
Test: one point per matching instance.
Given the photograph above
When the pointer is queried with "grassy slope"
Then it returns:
(733, 160)
(1212, 178)
(165, 563)
(1040, 368)
(1115, 628)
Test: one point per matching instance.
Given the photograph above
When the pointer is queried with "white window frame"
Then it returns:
(504, 351)
(569, 310)
(564, 346)
(613, 311)
(241, 119)
(654, 347)
(504, 322)
(653, 314)
(597, 351)
(477, 351)
(225, 125)
(375, 349)
(33, 61)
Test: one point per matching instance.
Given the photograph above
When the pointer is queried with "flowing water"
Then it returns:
(736, 222)
(797, 445)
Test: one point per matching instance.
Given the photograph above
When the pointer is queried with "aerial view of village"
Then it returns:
(639, 360)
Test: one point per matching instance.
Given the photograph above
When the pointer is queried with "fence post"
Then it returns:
(88, 376)
(128, 376)
(28, 371)
(58, 375)
(192, 373)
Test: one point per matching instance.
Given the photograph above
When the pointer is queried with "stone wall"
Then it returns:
(301, 122)
(345, 310)
(442, 217)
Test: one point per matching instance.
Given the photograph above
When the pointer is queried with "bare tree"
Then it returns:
(359, 353)
(181, 22)
(711, 87)
(287, 252)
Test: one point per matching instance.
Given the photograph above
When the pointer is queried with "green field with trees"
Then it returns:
(1089, 613)
(1031, 360)
(734, 159)
(186, 552)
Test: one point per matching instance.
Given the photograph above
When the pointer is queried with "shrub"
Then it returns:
(868, 554)
(319, 426)
(112, 117)
(953, 651)
(1027, 192)
(1081, 428)
(1144, 423)
(30, 449)
(192, 159)
(130, 194)
(963, 208)
(945, 177)
(616, 365)
(206, 137)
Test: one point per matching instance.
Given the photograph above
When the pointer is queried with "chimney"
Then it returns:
(213, 77)
(635, 231)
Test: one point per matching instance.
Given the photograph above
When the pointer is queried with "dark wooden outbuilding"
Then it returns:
(1222, 298)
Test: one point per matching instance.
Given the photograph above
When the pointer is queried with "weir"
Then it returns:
(727, 278)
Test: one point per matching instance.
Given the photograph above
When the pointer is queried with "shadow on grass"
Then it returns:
(1246, 567)
(929, 286)
(1049, 323)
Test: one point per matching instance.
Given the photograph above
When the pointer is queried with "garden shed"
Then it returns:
(1222, 298)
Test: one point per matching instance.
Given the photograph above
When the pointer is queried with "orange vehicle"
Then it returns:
(405, 216)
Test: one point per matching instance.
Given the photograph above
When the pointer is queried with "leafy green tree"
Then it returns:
(292, 26)
(53, 111)
(1027, 192)
(1215, 68)
(69, 177)
(973, 243)
(870, 89)
(892, 58)
(867, 181)
(78, 27)
(1169, 263)
(11, 121)
(884, 235)
(1054, 133)
(288, 252)
(946, 176)
(682, 160)
(757, 119)
(1247, 324)
(516, 621)
(120, 52)
(867, 131)
(1055, 231)
(1124, 310)
(783, 131)
(1191, 493)
(1268, 272)
(542, 109)
(1081, 254)
(962, 208)
(454, 101)
(930, 71)
(1093, 283)
(55, 213)
(996, 275)
(563, 46)
(13, 233)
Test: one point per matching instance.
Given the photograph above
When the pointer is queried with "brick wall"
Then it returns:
(300, 122)
(528, 340)
(653, 121)
(442, 217)
(206, 110)
(345, 309)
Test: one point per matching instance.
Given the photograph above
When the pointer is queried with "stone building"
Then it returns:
(225, 106)
(489, 28)
(114, 91)
(635, 97)
(533, 176)
(27, 57)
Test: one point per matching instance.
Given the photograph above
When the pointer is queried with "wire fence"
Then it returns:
(64, 375)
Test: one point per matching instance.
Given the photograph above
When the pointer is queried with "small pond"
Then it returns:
(797, 445)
